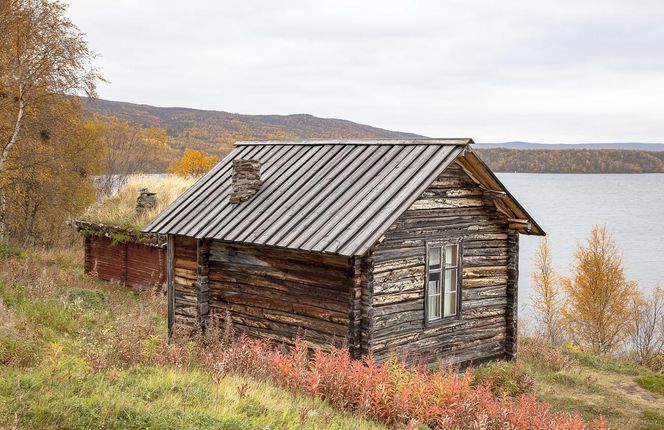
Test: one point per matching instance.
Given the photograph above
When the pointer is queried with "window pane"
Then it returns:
(434, 283)
(451, 252)
(429, 307)
(434, 303)
(434, 258)
(450, 304)
(434, 296)
(450, 280)
(434, 288)
(437, 308)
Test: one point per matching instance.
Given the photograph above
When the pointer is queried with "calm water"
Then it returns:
(567, 206)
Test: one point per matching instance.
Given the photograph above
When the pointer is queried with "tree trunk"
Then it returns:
(5, 155)
(3, 211)
(17, 128)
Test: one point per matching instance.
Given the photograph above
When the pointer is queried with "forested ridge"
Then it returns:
(215, 132)
(573, 160)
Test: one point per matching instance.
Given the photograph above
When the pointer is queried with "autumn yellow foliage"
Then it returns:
(48, 178)
(598, 294)
(48, 148)
(194, 163)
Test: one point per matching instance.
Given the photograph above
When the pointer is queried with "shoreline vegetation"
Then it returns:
(506, 160)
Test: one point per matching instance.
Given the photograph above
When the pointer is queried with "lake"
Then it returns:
(568, 205)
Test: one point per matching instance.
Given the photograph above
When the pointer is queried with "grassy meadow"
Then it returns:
(80, 353)
(65, 344)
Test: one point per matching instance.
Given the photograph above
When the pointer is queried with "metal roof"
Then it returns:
(332, 196)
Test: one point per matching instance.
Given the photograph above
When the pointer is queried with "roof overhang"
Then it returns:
(518, 217)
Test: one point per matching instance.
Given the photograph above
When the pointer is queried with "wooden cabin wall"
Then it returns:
(138, 266)
(282, 294)
(183, 296)
(103, 259)
(453, 207)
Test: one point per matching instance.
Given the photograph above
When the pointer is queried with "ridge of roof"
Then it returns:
(361, 141)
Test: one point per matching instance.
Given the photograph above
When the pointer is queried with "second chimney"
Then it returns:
(246, 180)
(146, 200)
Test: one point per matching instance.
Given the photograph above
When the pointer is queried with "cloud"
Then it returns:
(563, 71)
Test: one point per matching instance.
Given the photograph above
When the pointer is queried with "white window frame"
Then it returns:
(434, 309)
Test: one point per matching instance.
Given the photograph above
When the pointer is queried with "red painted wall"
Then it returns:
(138, 266)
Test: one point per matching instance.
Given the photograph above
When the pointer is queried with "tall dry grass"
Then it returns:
(120, 210)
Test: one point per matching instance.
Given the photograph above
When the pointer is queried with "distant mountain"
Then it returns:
(558, 146)
(215, 132)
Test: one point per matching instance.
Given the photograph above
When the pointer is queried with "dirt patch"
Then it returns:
(632, 389)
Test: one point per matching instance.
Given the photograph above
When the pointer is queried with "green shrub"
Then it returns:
(652, 420)
(87, 298)
(653, 383)
(7, 250)
(504, 378)
(252, 408)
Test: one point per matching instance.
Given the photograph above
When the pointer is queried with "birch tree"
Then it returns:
(546, 299)
(129, 149)
(598, 294)
(647, 327)
(43, 57)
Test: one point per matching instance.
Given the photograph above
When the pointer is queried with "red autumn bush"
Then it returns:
(391, 392)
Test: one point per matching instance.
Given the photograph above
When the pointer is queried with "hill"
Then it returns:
(215, 132)
(573, 160)
(561, 146)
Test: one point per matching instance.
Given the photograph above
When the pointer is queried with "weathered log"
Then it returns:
(454, 208)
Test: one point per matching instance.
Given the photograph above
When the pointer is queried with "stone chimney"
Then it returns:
(246, 180)
(146, 200)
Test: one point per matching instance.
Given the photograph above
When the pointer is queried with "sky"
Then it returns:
(539, 71)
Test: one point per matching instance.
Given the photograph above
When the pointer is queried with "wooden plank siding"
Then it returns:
(454, 207)
(140, 267)
(282, 294)
(185, 277)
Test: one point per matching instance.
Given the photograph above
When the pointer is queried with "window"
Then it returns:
(442, 288)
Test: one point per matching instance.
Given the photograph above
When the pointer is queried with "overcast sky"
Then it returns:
(553, 71)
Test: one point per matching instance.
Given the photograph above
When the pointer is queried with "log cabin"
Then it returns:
(384, 246)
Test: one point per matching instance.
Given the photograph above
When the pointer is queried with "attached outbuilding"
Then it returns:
(114, 247)
(390, 246)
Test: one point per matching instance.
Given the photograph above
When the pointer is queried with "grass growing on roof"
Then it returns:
(120, 210)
